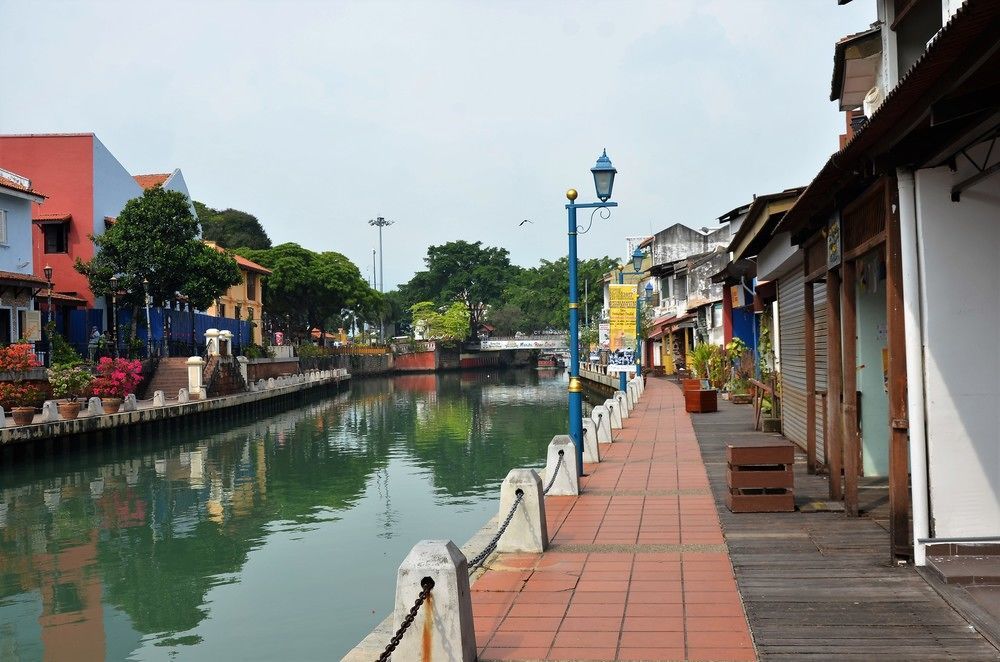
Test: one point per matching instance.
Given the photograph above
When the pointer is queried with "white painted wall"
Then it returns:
(960, 255)
(113, 187)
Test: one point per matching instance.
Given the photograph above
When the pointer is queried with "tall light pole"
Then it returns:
(380, 223)
(114, 314)
(604, 179)
(48, 279)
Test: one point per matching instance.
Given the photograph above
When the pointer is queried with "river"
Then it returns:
(267, 539)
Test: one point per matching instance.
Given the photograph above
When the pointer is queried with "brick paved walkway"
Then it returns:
(637, 568)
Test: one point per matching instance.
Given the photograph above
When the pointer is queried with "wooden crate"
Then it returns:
(701, 402)
(759, 476)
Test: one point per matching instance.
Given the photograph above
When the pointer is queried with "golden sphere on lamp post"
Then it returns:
(571, 194)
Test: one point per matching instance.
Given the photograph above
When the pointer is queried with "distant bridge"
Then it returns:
(554, 343)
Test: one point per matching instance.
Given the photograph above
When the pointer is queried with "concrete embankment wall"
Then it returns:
(279, 396)
(359, 365)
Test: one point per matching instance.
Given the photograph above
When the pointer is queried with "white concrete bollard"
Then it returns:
(159, 399)
(50, 412)
(613, 413)
(445, 619)
(567, 481)
(183, 395)
(602, 421)
(3, 421)
(130, 404)
(623, 407)
(94, 407)
(244, 367)
(271, 383)
(196, 369)
(527, 531)
(641, 383)
(633, 395)
(591, 448)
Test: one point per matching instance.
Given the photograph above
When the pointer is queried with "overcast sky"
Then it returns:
(456, 120)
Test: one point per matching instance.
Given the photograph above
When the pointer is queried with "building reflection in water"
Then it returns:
(137, 539)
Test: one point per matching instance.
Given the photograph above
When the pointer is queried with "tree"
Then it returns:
(452, 324)
(461, 271)
(231, 228)
(155, 238)
(507, 319)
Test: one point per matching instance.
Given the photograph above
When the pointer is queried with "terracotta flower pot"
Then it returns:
(111, 405)
(69, 410)
(22, 415)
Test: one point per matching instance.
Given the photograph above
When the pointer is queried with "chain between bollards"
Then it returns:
(426, 584)
(555, 472)
(478, 561)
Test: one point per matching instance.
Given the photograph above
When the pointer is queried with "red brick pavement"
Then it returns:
(637, 569)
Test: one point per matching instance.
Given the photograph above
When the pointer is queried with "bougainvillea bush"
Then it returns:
(17, 360)
(116, 378)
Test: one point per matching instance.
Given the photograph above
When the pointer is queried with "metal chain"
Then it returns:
(427, 584)
(478, 561)
(555, 473)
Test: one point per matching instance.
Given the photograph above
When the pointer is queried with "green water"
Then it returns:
(257, 539)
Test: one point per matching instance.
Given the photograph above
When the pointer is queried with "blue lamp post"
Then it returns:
(604, 180)
(639, 300)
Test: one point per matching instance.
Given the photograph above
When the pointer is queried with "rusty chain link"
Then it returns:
(426, 584)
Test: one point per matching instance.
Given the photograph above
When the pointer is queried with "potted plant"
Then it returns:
(18, 360)
(116, 378)
(71, 382)
(704, 358)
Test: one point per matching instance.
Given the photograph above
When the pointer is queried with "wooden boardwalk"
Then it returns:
(820, 586)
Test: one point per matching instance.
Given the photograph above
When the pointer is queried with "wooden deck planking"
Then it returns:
(819, 586)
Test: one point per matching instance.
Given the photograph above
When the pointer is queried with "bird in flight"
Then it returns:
(525, 221)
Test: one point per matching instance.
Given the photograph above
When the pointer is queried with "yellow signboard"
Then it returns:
(621, 315)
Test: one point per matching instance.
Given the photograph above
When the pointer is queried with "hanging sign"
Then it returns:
(621, 316)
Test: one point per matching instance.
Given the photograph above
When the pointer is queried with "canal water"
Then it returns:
(258, 539)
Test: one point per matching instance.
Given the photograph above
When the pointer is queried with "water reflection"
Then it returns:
(265, 539)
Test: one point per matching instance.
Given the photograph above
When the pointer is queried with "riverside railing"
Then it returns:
(439, 564)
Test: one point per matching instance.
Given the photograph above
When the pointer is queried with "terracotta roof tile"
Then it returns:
(149, 181)
(27, 278)
(6, 182)
(55, 216)
(242, 261)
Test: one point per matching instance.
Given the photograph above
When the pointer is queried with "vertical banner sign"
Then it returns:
(622, 316)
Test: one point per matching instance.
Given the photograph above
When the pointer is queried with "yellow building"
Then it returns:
(244, 301)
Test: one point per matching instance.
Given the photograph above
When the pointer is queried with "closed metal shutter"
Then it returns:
(791, 326)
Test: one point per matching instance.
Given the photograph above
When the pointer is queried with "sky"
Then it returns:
(455, 120)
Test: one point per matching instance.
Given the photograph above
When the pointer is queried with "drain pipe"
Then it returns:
(913, 332)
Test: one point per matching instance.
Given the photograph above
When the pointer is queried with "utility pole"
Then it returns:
(380, 223)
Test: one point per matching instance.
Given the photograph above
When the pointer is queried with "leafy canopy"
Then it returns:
(231, 228)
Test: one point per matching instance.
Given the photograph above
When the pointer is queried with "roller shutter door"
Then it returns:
(791, 325)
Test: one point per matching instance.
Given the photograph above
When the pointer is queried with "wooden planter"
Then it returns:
(701, 401)
(22, 415)
(69, 410)
(691, 384)
(741, 398)
(111, 405)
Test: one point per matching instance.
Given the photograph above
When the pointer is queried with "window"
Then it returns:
(3, 226)
(239, 311)
(222, 310)
(251, 286)
(56, 237)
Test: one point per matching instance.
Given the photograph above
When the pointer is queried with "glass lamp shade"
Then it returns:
(604, 177)
(637, 257)
(48, 272)
(649, 292)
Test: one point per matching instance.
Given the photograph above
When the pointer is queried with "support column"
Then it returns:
(901, 435)
(849, 410)
(810, 349)
(834, 389)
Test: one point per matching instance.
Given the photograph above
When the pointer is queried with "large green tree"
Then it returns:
(310, 290)
(470, 273)
(155, 238)
(231, 228)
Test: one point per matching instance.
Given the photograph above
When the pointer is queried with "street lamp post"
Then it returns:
(48, 279)
(149, 326)
(639, 340)
(380, 223)
(604, 179)
(114, 314)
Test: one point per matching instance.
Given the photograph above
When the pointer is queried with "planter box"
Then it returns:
(691, 384)
(760, 501)
(759, 476)
(770, 425)
(701, 401)
(740, 398)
